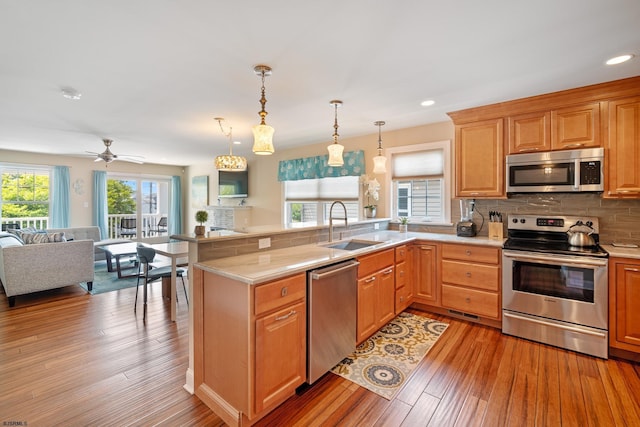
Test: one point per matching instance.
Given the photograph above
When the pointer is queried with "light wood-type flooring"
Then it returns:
(72, 359)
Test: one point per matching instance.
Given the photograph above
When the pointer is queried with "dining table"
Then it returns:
(176, 251)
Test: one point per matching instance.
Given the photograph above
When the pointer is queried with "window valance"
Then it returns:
(316, 167)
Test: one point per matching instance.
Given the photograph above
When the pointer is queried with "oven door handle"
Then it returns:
(558, 260)
(555, 325)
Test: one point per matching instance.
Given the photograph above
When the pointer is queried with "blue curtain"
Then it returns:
(316, 167)
(175, 207)
(60, 206)
(100, 207)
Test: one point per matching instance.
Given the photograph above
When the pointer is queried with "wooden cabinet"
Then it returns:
(249, 344)
(567, 128)
(470, 278)
(624, 301)
(529, 132)
(624, 149)
(281, 340)
(424, 274)
(376, 292)
(577, 126)
(404, 283)
(479, 154)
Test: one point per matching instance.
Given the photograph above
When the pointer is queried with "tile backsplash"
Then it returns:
(619, 219)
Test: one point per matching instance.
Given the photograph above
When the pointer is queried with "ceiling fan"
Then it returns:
(107, 156)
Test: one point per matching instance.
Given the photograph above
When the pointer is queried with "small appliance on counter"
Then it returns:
(466, 227)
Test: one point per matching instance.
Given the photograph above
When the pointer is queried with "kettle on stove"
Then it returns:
(582, 237)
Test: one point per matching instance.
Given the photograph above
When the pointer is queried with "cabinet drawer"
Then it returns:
(401, 253)
(479, 276)
(471, 253)
(471, 301)
(377, 261)
(403, 299)
(277, 294)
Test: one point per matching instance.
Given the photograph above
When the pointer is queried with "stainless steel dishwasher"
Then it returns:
(331, 325)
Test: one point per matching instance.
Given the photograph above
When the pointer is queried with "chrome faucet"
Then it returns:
(331, 218)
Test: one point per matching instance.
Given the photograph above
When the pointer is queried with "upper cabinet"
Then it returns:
(567, 128)
(601, 115)
(624, 148)
(480, 159)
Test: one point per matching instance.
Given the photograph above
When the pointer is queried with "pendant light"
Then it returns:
(229, 162)
(263, 133)
(379, 161)
(335, 149)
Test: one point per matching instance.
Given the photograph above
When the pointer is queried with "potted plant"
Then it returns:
(371, 192)
(404, 224)
(201, 217)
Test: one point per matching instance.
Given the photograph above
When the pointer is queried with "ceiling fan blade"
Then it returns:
(131, 159)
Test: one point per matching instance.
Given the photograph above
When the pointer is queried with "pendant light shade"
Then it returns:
(335, 149)
(379, 161)
(263, 133)
(229, 162)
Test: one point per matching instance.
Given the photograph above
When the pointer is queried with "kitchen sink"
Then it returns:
(351, 245)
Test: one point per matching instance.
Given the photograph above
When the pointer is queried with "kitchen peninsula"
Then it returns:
(249, 313)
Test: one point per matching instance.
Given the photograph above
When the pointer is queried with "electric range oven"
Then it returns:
(553, 292)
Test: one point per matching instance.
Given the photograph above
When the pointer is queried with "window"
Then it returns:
(141, 202)
(25, 196)
(420, 182)
(309, 200)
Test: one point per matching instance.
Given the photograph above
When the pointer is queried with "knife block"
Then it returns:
(496, 230)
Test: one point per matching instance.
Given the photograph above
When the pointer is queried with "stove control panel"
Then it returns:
(550, 222)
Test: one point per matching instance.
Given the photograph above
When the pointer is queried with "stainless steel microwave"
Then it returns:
(556, 171)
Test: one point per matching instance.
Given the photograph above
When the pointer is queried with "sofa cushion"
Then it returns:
(35, 238)
(9, 239)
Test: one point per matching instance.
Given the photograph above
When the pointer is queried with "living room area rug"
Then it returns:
(104, 281)
(386, 360)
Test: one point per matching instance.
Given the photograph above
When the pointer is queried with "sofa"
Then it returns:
(88, 233)
(26, 268)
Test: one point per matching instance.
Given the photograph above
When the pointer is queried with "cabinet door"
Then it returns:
(281, 354)
(367, 323)
(424, 273)
(530, 133)
(627, 297)
(576, 127)
(624, 148)
(480, 159)
(386, 297)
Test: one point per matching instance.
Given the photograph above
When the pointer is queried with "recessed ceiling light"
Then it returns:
(619, 59)
(71, 93)
(237, 143)
(428, 103)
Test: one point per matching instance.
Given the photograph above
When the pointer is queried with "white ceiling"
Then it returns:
(154, 73)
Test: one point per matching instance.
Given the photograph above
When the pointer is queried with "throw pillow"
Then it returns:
(57, 237)
(34, 238)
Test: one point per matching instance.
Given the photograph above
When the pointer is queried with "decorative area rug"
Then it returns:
(103, 281)
(385, 361)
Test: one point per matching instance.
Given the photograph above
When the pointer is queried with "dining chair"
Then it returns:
(149, 274)
(161, 226)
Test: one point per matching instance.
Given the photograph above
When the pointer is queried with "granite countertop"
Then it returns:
(263, 266)
(616, 251)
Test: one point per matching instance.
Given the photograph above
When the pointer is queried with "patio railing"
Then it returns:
(149, 223)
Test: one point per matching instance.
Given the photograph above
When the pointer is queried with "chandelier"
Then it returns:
(263, 133)
(379, 161)
(229, 162)
(335, 149)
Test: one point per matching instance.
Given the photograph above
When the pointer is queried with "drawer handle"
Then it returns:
(468, 252)
(286, 316)
(467, 299)
(284, 291)
(576, 145)
(389, 271)
(468, 274)
(635, 270)
(371, 279)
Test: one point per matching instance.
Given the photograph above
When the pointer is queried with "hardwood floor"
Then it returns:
(69, 358)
